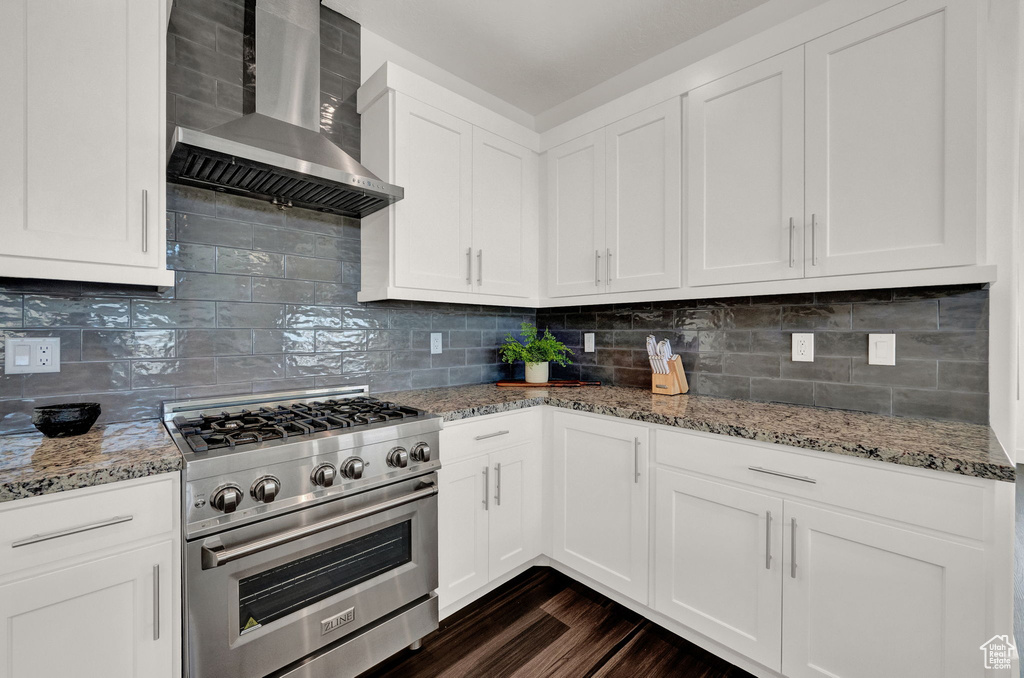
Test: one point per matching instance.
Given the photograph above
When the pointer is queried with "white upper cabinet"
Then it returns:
(745, 174)
(434, 162)
(643, 193)
(504, 215)
(891, 141)
(82, 170)
(576, 212)
(614, 207)
(467, 228)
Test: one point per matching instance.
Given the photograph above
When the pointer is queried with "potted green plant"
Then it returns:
(536, 350)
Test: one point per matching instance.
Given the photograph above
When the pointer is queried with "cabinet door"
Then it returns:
(863, 600)
(718, 563)
(600, 501)
(515, 527)
(462, 529)
(891, 141)
(576, 217)
(94, 620)
(745, 174)
(433, 223)
(504, 215)
(82, 171)
(644, 152)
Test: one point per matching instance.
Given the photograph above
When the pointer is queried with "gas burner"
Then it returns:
(239, 429)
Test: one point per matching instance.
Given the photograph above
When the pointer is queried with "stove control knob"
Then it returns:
(421, 452)
(227, 498)
(323, 475)
(266, 489)
(398, 457)
(352, 468)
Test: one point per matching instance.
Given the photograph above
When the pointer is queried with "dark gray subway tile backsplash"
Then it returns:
(266, 300)
(741, 348)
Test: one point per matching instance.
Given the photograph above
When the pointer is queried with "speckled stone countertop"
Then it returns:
(966, 449)
(31, 464)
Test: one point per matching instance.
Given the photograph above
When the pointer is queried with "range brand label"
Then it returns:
(337, 621)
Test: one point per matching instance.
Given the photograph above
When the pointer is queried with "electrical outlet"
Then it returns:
(588, 342)
(435, 342)
(803, 347)
(24, 355)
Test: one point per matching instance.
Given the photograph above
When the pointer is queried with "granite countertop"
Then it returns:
(32, 465)
(966, 449)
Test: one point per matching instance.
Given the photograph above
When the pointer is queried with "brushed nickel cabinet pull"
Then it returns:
(792, 232)
(479, 267)
(768, 540)
(469, 266)
(497, 484)
(36, 538)
(487, 488)
(814, 240)
(636, 460)
(608, 268)
(792, 549)
(597, 268)
(803, 479)
(491, 435)
(156, 602)
(145, 220)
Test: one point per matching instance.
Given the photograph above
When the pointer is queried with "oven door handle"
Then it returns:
(215, 557)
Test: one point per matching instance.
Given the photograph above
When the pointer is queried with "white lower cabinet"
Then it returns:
(863, 599)
(488, 518)
(600, 501)
(89, 583)
(99, 619)
(718, 563)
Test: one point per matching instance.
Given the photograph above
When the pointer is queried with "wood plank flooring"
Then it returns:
(544, 625)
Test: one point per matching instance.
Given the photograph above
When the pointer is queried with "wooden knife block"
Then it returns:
(673, 383)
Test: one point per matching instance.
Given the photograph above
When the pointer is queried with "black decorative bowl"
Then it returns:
(64, 421)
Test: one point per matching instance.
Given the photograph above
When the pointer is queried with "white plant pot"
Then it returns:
(536, 373)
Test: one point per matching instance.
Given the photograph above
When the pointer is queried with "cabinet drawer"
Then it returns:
(939, 501)
(83, 521)
(466, 438)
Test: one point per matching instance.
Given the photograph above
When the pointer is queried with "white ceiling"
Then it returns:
(536, 54)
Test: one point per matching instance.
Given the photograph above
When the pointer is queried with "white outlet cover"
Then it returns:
(588, 342)
(42, 353)
(435, 342)
(803, 347)
(881, 349)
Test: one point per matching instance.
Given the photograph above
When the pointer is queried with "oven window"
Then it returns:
(274, 593)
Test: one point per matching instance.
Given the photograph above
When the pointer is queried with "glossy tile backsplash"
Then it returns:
(741, 348)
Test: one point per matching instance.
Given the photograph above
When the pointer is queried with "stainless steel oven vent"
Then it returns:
(275, 152)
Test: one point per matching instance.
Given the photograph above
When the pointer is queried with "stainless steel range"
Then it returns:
(310, 521)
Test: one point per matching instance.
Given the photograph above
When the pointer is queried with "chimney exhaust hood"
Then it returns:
(275, 152)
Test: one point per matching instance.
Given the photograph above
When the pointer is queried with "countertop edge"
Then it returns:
(890, 456)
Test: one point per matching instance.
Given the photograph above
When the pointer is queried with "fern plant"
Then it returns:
(535, 348)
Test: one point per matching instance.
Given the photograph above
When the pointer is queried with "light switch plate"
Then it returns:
(803, 347)
(588, 342)
(881, 349)
(435, 342)
(25, 355)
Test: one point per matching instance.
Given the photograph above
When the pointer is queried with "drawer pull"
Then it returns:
(803, 479)
(492, 435)
(36, 538)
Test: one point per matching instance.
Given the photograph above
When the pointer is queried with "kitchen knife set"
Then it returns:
(667, 376)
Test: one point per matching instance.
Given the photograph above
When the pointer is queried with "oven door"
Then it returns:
(267, 594)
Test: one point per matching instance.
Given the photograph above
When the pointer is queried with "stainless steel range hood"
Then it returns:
(275, 151)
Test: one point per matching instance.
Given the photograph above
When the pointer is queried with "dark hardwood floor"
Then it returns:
(544, 625)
